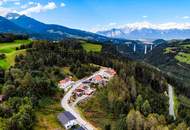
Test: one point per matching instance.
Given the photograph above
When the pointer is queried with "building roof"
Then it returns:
(89, 91)
(98, 77)
(65, 81)
(65, 117)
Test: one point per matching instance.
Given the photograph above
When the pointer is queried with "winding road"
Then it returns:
(85, 124)
(171, 101)
(64, 103)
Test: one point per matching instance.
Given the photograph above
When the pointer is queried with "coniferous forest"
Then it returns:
(135, 99)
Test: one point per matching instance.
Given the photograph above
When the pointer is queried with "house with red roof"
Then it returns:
(66, 83)
(97, 79)
(89, 92)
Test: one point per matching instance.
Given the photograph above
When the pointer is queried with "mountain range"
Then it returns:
(15, 23)
(147, 30)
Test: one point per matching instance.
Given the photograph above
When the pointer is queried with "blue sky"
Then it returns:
(89, 14)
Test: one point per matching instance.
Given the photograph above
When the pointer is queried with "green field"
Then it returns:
(46, 116)
(90, 47)
(184, 100)
(92, 111)
(176, 104)
(9, 49)
(186, 46)
(169, 50)
(183, 57)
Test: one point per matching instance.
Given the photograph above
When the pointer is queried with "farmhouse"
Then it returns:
(89, 92)
(84, 90)
(97, 79)
(66, 83)
(67, 120)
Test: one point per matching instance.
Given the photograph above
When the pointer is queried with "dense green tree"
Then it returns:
(139, 102)
(181, 126)
(135, 121)
(132, 85)
(146, 108)
(35, 75)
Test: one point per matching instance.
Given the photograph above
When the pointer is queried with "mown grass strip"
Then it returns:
(90, 47)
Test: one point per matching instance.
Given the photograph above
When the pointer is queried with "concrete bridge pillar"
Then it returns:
(145, 49)
(134, 48)
(151, 47)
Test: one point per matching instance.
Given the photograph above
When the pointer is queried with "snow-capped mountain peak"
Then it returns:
(148, 30)
(163, 26)
(12, 16)
(148, 25)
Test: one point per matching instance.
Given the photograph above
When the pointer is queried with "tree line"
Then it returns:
(35, 75)
(6, 37)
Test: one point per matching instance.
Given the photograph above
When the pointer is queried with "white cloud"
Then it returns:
(141, 25)
(5, 1)
(62, 4)
(4, 11)
(31, 3)
(112, 24)
(162, 26)
(1, 2)
(17, 3)
(39, 8)
(145, 16)
(24, 6)
(104, 27)
(186, 17)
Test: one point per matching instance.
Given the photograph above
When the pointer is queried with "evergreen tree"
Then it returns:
(146, 108)
(139, 102)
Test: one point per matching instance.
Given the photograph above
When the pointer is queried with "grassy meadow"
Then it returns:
(183, 57)
(9, 49)
(90, 47)
(46, 116)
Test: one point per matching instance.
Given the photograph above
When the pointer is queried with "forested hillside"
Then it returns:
(135, 99)
(174, 59)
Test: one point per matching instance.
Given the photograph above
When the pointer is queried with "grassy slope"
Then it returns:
(47, 115)
(184, 100)
(50, 108)
(174, 59)
(10, 50)
(90, 47)
(92, 111)
(176, 104)
(183, 57)
(181, 52)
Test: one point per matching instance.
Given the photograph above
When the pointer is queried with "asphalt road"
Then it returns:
(171, 101)
(67, 107)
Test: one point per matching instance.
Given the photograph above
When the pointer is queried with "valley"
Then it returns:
(133, 92)
(94, 65)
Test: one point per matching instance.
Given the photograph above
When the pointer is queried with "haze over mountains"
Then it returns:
(146, 30)
(15, 23)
